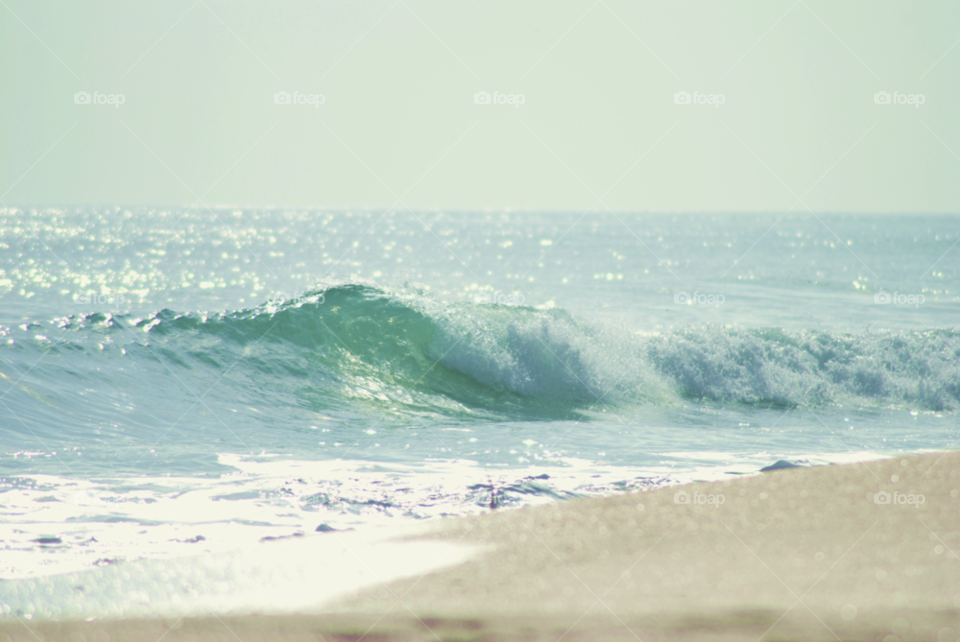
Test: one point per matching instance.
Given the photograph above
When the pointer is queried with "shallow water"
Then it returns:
(177, 381)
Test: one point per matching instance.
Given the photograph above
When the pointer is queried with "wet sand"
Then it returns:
(794, 554)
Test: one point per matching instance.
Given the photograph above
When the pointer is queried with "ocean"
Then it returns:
(179, 381)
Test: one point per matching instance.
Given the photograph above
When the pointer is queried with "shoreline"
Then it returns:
(797, 553)
(184, 517)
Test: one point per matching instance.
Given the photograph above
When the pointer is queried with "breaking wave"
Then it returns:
(408, 351)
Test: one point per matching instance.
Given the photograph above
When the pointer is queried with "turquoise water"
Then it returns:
(184, 380)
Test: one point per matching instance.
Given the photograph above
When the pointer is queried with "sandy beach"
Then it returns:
(413, 320)
(793, 554)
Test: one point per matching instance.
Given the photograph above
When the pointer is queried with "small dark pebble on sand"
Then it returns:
(271, 538)
(48, 540)
(323, 528)
(779, 465)
(194, 540)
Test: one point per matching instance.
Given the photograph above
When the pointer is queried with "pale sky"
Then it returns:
(399, 126)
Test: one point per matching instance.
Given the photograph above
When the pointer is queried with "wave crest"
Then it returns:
(407, 350)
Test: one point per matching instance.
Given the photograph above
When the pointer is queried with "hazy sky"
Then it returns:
(599, 125)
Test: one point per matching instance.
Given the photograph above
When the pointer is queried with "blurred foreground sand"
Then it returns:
(797, 554)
